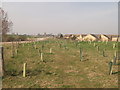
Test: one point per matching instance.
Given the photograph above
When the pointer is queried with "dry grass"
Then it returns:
(62, 68)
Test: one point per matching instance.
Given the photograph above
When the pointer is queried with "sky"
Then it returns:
(63, 17)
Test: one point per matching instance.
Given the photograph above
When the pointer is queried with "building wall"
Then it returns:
(114, 39)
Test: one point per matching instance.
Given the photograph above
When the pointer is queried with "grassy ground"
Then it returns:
(62, 68)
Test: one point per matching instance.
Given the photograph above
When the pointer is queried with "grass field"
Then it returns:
(62, 68)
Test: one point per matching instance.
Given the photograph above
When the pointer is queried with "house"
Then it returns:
(80, 37)
(105, 37)
(67, 36)
(90, 37)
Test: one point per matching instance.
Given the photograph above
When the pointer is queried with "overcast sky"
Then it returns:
(63, 17)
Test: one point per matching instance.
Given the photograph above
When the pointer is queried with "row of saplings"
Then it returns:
(40, 53)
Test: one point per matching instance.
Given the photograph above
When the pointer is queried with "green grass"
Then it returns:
(62, 68)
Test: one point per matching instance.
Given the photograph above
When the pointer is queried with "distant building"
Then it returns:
(105, 37)
(80, 37)
(69, 36)
(90, 37)
(115, 38)
(73, 37)
(66, 36)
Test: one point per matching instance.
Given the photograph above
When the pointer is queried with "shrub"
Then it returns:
(10, 38)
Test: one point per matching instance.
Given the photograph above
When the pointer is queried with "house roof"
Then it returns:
(95, 35)
(108, 36)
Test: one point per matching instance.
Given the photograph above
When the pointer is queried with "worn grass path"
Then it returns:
(62, 68)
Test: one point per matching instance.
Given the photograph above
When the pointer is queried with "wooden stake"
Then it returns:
(115, 54)
(24, 70)
(12, 51)
(81, 54)
(114, 59)
(2, 61)
(110, 67)
(50, 50)
(97, 48)
(114, 45)
(39, 52)
(94, 44)
(16, 51)
(42, 57)
(103, 53)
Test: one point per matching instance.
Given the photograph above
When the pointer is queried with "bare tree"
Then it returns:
(6, 24)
